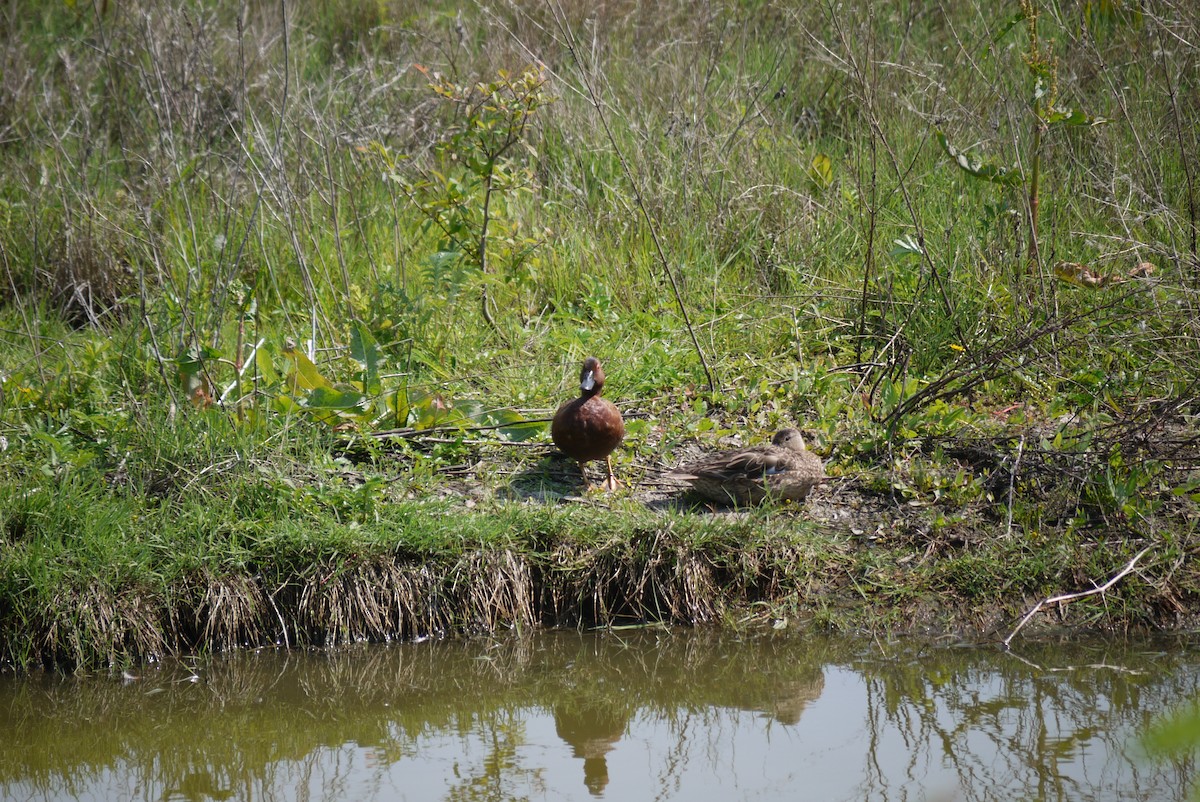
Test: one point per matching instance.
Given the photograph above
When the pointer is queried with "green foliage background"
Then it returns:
(238, 241)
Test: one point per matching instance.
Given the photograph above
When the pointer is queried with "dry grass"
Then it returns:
(656, 575)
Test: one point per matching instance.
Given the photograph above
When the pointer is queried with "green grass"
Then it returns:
(192, 208)
(83, 568)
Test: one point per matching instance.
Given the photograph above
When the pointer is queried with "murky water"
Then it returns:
(635, 715)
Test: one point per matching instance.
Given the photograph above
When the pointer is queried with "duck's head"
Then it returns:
(591, 378)
(788, 438)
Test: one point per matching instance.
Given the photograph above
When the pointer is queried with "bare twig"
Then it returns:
(407, 433)
(1081, 666)
(1069, 597)
(1012, 482)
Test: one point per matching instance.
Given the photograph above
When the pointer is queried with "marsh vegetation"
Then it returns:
(289, 293)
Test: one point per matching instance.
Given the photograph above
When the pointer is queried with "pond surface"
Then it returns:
(634, 715)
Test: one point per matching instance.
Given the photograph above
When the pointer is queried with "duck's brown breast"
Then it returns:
(587, 428)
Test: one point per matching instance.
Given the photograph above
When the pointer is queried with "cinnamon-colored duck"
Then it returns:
(785, 469)
(589, 427)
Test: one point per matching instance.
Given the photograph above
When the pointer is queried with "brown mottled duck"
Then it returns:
(589, 428)
(785, 469)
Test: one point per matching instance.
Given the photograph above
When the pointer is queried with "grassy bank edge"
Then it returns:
(165, 583)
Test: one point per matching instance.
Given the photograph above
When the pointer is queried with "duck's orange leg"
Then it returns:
(587, 483)
(611, 483)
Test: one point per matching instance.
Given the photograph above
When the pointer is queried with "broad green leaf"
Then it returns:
(304, 374)
(820, 171)
(394, 410)
(470, 408)
(520, 432)
(285, 404)
(513, 425)
(978, 168)
(365, 351)
(337, 399)
(430, 409)
(435, 411)
(1188, 489)
(192, 360)
(266, 368)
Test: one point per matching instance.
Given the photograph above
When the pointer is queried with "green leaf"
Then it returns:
(1011, 23)
(431, 410)
(443, 259)
(1061, 116)
(192, 360)
(304, 374)
(637, 426)
(395, 409)
(513, 425)
(907, 246)
(365, 351)
(285, 404)
(471, 409)
(333, 398)
(1188, 490)
(820, 171)
(266, 368)
(978, 168)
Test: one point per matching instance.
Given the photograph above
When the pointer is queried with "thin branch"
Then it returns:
(985, 367)
(1012, 484)
(408, 432)
(1070, 597)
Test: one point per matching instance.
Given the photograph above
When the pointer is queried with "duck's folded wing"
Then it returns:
(734, 465)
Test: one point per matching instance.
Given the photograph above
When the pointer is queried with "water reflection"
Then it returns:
(648, 714)
(592, 728)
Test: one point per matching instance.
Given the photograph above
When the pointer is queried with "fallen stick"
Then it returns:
(1069, 597)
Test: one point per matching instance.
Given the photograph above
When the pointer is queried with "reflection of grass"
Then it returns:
(1176, 737)
(258, 708)
(248, 713)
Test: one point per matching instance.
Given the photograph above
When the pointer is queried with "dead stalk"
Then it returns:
(1070, 597)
